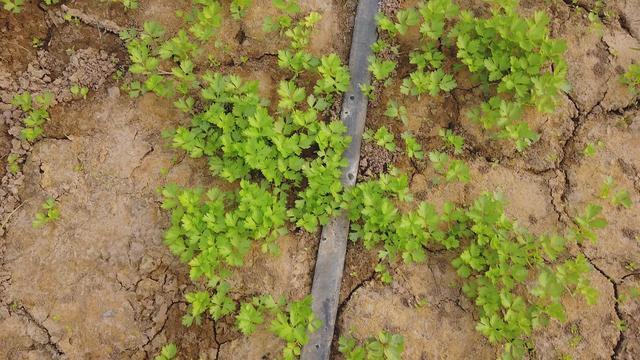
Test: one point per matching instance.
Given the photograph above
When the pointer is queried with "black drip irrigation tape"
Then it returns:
(333, 244)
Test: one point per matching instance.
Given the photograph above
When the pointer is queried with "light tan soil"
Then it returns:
(100, 284)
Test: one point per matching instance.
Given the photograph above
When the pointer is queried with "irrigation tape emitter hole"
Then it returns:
(333, 239)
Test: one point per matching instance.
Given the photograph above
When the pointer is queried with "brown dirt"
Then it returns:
(374, 160)
(99, 283)
(544, 188)
(17, 33)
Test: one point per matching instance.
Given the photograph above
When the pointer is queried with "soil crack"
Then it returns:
(144, 156)
(161, 329)
(560, 207)
(616, 306)
(369, 278)
(624, 25)
(52, 346)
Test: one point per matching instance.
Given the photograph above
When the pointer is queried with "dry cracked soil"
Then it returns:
(100, 284)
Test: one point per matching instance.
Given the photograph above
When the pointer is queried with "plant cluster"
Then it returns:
(36, 110)
(586, 225)
(288, 9)
(449, 169)
(79, 91)
(285, 158)
(49, 213)
(385, 346)
(512, 55)
(381, 65)
(291, 323)
(210, 235)
(620, 324)
(382, 137)
(498, 260)
(452, 140)
(396, 111)
(376, 220)
(517, 53)
(429, 77)
(499, 263)
(609, 191)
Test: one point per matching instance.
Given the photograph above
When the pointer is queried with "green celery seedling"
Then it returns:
(396, 111)
(168, 352)
(382, 137)
(381, 70)
(414, 150)
(14, 6)
(49, 213)
(385, 346)
(631, 78)
(451, 139)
